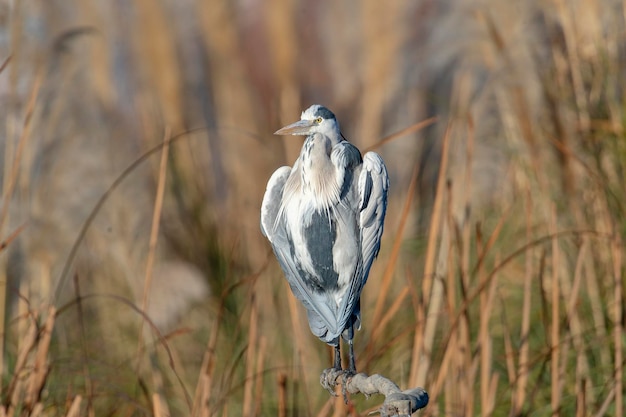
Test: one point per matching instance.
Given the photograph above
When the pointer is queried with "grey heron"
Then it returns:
(324, 219)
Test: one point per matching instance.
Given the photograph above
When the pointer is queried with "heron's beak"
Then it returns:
(301, 127)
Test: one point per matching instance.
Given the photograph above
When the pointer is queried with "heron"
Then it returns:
(324, 219)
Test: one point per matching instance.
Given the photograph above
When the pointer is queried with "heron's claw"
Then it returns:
(328, 379)
(345, 378)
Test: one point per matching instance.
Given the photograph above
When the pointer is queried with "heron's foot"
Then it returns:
(346, 376)
(328, 379)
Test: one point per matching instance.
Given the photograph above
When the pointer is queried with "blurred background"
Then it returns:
(135, 146)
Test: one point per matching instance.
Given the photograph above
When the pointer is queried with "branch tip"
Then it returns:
(397, 402)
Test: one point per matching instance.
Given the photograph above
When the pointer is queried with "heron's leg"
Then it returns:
(329, 376)
(351, 358)
(337, 364)
(351, 371)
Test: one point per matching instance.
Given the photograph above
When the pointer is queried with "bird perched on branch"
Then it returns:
(324, 218)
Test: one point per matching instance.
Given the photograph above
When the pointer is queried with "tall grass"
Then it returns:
(136, 147)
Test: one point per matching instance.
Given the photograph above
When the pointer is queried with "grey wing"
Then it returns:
(270, 207)
(321, 318)
(321, 315)
(373, 188)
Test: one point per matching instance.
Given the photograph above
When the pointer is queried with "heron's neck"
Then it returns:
(319, 176)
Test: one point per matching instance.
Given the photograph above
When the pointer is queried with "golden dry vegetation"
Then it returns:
(136, 143)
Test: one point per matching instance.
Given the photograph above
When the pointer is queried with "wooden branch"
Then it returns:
(397, 403)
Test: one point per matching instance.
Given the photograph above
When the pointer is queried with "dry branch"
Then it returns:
(397, 402)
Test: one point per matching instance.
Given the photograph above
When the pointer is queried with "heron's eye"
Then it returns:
(318, 120)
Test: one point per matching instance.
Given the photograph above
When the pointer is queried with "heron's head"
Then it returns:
(315, 119)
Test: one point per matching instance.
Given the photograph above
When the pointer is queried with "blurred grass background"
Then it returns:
(136, 145)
